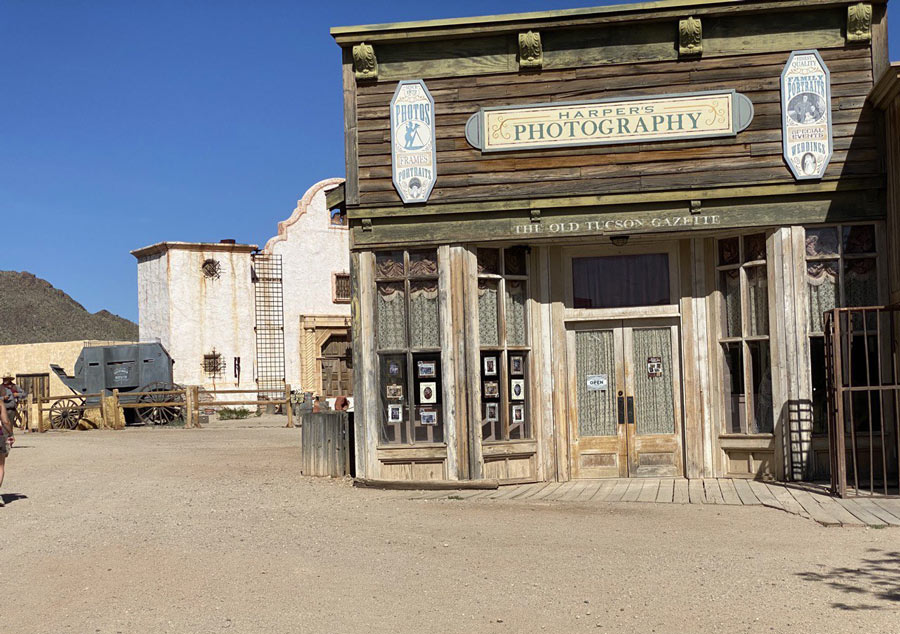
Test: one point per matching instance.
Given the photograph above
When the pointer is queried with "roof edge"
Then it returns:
(504, 20)
(162, 247)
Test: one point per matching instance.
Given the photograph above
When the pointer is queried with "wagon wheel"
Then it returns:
(22, 415)
(161, 414)
(66, 413)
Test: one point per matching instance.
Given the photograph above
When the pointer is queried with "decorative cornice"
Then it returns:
(302, 207)
(859, 22)
(531, 53)
(365, 65)
(690, 36)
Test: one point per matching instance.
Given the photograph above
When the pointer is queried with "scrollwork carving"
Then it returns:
(690, 36)
(531, 53)
(365, 65)
(859, 22)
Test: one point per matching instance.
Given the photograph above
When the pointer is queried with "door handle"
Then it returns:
(621, 408)
(631, 410)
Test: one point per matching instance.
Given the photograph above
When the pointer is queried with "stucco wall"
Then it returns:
(312, 250)
(193, 315)
(35, 358)
(153, 299)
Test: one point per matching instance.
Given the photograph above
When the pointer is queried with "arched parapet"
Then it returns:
(303, 206)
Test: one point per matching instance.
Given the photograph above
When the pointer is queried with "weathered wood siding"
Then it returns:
(753, 156)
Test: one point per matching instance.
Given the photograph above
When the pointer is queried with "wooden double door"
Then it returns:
(625, 399)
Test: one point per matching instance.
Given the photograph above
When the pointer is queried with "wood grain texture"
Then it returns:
(754, 156)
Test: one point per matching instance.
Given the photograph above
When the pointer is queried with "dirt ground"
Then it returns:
(170, 530)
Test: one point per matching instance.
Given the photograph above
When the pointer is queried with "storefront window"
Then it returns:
(841, 271)
(744, 334)
(407, 337)
(504, 342)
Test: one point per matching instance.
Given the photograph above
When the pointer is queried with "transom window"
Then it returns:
(504, 343)
(407, 337)
(744, 334)
(619, 281)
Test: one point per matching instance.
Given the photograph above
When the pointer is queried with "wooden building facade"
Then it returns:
(620, 288)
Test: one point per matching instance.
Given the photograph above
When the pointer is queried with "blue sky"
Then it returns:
(125, 123)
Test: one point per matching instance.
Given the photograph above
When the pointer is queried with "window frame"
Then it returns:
(504, 351)
(745, 339)
(409, 352)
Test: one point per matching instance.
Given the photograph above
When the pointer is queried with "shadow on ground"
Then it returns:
(877, 577)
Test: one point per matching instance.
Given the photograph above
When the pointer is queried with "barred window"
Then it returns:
(341, 288)
(213, 365)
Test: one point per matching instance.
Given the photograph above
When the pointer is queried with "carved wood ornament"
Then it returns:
(859, 22)
(690, 36)
(364, 63)
(531, 53)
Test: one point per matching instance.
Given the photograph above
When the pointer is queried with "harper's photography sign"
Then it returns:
(606, 121)
(806, 114)
(413, 154)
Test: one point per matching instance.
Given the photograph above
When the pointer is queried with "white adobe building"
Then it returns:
(234, 316)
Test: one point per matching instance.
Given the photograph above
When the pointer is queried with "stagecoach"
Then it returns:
(139, 368)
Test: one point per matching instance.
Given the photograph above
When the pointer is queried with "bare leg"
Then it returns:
(2, 468)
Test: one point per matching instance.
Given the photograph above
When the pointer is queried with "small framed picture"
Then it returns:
(517, 366)
(427, 369)
(518, 414)
(428, 392)
(427, 417)
(395, 413)
(491, 412)
(393, 368)
(490, 366)
(517, 389)
(394, 391)
(491, 389)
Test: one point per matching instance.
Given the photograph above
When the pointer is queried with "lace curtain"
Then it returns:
(390, 317)
(515, 313)
(821, 287)
(487, 313)
(653, 395)
(860, 282)
(595, 354)
(424, 329)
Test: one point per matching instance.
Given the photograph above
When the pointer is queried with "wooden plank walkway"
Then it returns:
(806, 500)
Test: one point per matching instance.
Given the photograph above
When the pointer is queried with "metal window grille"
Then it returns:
(213, 365)
(269, 328)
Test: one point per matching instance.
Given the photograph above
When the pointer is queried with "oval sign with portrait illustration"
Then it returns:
(413, 155)
(806, 114)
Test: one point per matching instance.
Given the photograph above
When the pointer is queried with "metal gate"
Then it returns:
(863, 379)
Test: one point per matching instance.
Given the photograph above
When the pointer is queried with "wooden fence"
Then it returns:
(111, 408)
(325, 444)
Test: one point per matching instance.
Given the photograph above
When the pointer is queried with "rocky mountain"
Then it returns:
(33, 311)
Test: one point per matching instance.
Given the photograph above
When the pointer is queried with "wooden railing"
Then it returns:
(187, 399)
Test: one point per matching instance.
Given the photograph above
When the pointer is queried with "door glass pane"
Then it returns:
(424, 330)
(821, 241)
(859, 239)
(390, 317)
(487, 313)
(762, 387)
(515, 313)
(595, 360)
(730, 285)
(654, 402)
(758, 307)
(733, 383)
(621, 280)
